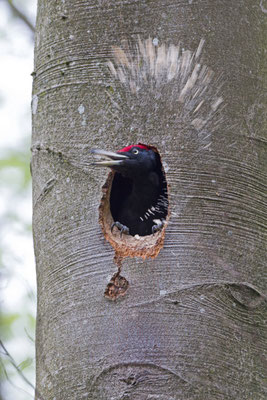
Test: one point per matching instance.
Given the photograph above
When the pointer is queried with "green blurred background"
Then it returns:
(17, 272)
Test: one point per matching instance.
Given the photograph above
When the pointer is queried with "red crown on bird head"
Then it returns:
(128, 148)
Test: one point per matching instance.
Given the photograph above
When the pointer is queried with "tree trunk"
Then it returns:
(191, 323)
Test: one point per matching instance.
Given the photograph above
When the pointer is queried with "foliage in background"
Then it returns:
(18, 299)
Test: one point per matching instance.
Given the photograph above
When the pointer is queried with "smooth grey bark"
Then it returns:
(191, 325)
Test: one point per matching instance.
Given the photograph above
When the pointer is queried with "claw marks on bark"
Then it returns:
(65, 157)
(40, 147)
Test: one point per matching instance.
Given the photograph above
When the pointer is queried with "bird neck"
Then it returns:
(145, 188)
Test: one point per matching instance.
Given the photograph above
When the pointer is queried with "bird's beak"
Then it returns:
(110, 159)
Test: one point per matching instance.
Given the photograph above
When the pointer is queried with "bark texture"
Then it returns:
(191, 325)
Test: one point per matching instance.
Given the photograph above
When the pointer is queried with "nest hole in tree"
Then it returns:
(132, 245)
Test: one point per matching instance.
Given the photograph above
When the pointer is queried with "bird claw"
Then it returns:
(158, 226)
(122, 228)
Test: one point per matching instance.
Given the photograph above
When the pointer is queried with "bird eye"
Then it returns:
(135, 151)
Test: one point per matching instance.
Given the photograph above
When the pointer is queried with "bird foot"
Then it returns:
(122, 228)
(158, 225)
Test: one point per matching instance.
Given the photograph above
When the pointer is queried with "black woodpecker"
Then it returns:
(138, 199)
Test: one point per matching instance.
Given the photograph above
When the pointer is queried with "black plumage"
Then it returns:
(138, 198)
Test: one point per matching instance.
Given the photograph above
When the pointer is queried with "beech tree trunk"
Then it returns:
(191, 323)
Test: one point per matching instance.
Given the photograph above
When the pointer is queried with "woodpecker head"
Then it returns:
(131, 161)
